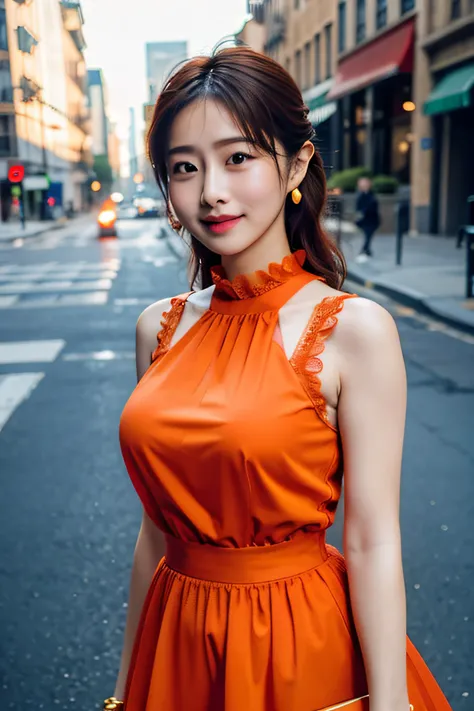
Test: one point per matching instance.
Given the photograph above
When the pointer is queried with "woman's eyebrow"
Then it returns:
(217, 144)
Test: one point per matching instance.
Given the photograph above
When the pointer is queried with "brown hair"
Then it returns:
(268, 106)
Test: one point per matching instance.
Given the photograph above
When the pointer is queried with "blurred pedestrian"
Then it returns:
(235, 435)
(367, 216)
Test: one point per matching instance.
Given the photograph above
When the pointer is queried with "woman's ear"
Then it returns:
(300, 165)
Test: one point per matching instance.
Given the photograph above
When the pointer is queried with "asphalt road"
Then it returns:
(69, 516)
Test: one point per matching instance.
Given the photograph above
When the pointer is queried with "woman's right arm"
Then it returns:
(149, 546)
(148, 553)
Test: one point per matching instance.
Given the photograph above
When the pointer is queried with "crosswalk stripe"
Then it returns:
(30, 351)
(14, 389)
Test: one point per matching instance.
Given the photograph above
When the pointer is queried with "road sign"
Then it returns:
(16, 173)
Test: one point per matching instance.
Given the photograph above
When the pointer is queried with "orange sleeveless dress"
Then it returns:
(230, 450)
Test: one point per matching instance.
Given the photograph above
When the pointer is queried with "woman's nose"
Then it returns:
(214, 190)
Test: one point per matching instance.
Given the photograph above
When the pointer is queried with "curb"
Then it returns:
(30, 235)
(418, 304)
(57, 225)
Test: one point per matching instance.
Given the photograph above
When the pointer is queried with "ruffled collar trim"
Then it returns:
(247, 286)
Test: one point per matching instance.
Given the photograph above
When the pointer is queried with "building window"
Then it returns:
(3, 29)
(298, 67)
(341, 27)
(381, 14)
(328, 40)
(407, 5)
(455, 9)
(297, 4)
(360, 21)
(317, 58)
(307, 65)
(5, 141)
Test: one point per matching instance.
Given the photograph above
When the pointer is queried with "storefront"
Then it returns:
(451, 107)
(373, 87)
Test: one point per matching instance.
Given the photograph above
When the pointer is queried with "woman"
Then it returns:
(234, 436)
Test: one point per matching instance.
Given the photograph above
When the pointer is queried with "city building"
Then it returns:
(443, 154)
(390, 86)
(43, 109)
(161, 58)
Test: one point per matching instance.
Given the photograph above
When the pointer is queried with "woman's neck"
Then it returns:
(271, 247)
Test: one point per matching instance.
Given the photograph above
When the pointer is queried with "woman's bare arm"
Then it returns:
(371, 415)
(148, 552)
(149, 545)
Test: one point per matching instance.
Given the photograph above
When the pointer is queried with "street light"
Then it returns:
(138, 178)
(95, 186)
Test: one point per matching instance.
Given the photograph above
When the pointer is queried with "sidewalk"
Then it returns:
(431, 278)
(11, 231)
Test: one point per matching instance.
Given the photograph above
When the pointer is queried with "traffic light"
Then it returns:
(16, 173)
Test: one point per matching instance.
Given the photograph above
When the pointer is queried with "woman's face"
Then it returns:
(225, 192)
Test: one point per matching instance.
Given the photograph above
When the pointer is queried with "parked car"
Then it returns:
(148, 207)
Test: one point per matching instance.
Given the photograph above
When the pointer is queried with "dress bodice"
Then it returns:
(225, 439)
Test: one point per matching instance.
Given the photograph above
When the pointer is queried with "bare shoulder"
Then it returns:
(151, 316)
(148, 326)
(365, 325)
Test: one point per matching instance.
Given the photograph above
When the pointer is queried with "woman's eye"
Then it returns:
(184, 168)
(239, 158)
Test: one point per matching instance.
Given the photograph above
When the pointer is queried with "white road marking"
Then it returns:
(99, 355)
(14, 389)
(96, 298)
(7, 301)
(30, 351)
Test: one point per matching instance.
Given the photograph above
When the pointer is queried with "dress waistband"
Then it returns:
(253, 564)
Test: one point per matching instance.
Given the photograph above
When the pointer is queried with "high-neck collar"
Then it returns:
(262, 290)
(247, 286)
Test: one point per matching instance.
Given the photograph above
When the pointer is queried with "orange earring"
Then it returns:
(174, 223)
(296, 196)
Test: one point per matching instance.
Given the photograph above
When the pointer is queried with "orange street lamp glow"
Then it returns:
(95, 186)
(138, 178)
(408, 106)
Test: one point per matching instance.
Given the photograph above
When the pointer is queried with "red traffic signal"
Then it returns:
(16, 173)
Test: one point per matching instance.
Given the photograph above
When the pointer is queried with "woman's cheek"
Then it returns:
(181, 196)
(258, 185)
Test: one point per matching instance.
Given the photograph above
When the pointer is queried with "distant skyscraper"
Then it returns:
(161, 58)
(98, 106)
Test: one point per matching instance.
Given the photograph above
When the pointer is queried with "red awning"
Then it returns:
(387, 55)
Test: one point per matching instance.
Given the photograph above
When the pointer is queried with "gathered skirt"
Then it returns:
(255, 629)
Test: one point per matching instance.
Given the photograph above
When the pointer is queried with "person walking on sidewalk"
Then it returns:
(367, 216)
(235, 437)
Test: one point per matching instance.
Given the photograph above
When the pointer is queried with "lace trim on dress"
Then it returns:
(306, 361)
(246, 286)
(169, 323)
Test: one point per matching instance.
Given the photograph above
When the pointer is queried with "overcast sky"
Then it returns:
(116, 40)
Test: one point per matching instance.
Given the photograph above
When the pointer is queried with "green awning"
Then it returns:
(320, 109)
(452, 92)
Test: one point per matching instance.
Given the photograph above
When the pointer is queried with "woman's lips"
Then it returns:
(220, 227)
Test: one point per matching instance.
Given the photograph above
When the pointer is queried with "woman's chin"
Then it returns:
(227, 245)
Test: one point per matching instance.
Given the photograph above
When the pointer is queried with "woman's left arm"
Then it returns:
(371, 415)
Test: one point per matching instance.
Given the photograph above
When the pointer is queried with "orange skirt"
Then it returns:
(258, 628)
